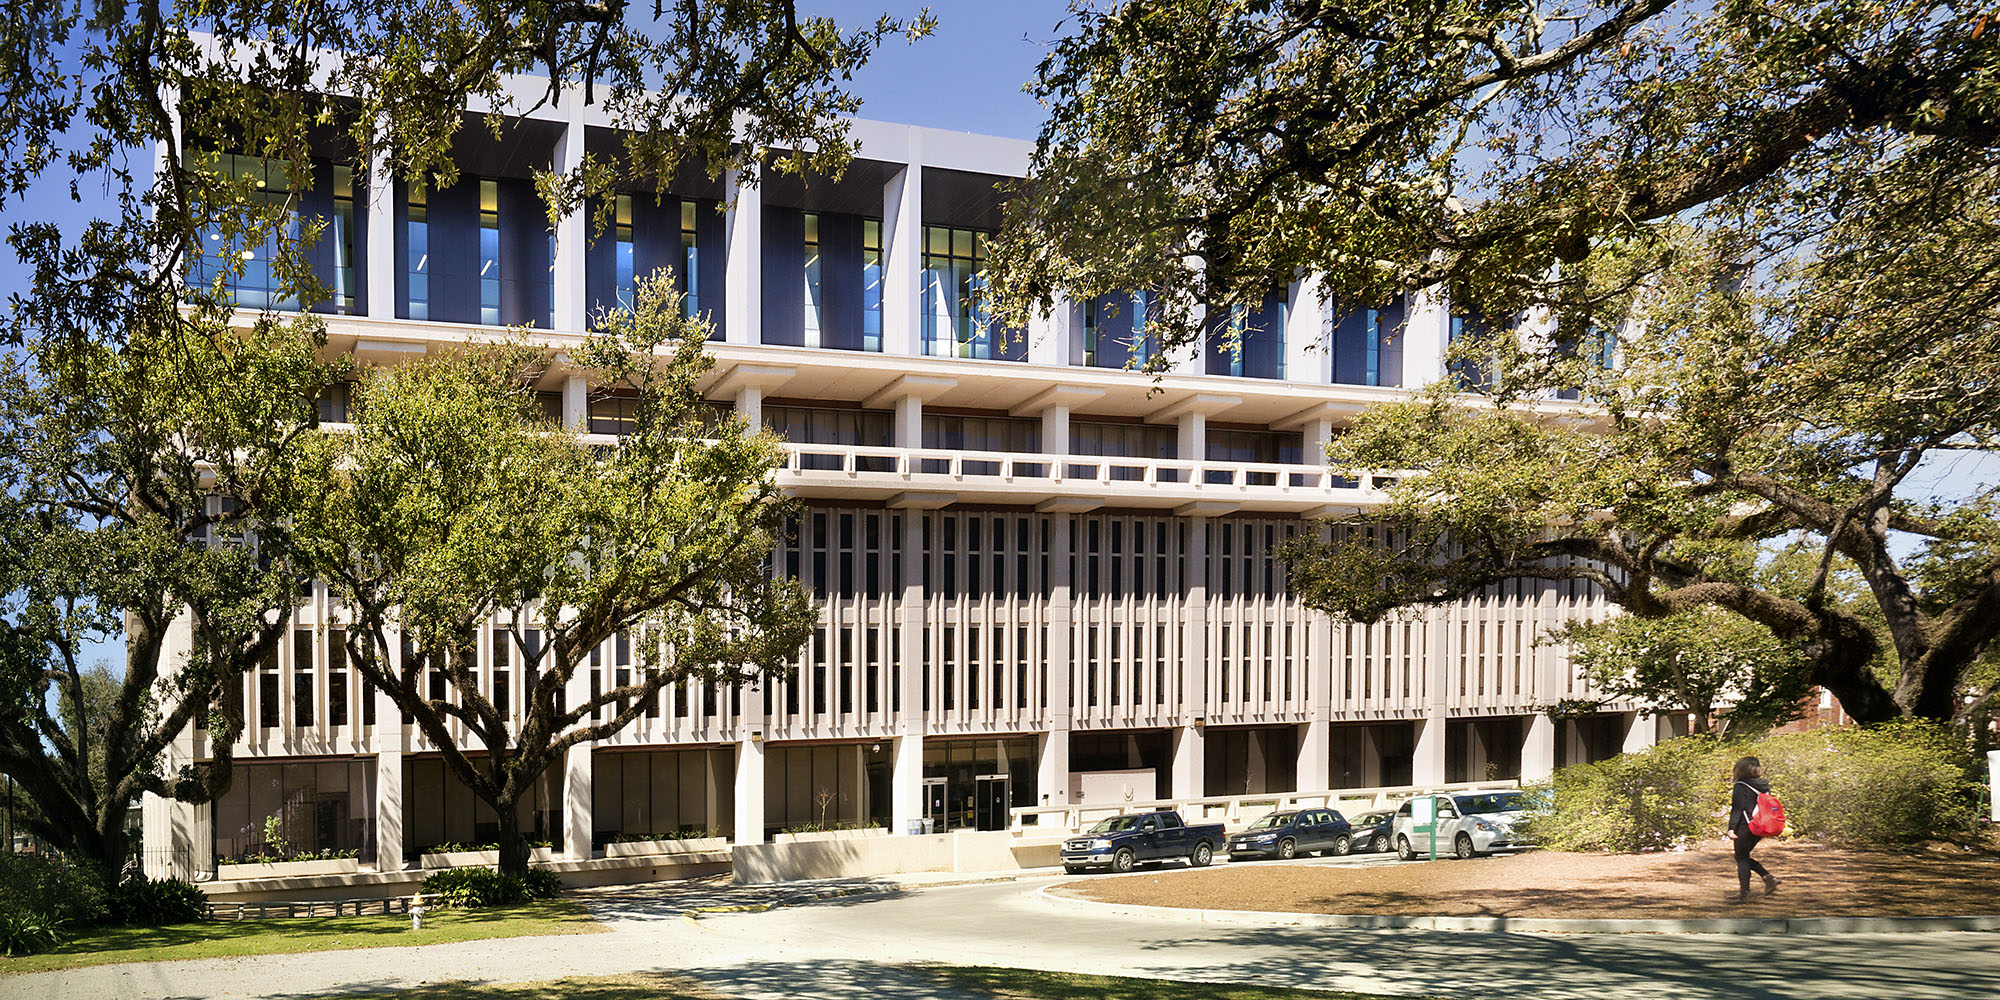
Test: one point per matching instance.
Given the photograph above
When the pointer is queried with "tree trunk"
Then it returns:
(513, 849)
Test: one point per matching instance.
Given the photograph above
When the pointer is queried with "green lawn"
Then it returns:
(1027, 984)
(223, 938)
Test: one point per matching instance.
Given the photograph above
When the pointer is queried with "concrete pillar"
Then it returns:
(576, 404)
(1049, 336)
(906, 800)
(1052, 766)
(379, 258)
(1428, 767)
(388, 804)
(1428, 328)
(1538, 749)
(1642, 730)
(1190, 763)
(571, 300)
(1307, 357)
(909, 433)
(1192, 437)
(743, 288)
(1194, 623)
(1315, 756)
(750, 788)
(1059, 612)
(576, 802)
(903, 256)
(750, 405)
(1055, 430)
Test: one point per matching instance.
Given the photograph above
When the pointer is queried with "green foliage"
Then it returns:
(44, 899)
(684, 833)
(1691, 661)
(1895, 783)
(1666, 796)
(473, 887)
(144, 902)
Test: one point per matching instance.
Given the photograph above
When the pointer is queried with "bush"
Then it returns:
(1666, 796)
(1895, 783)
(143, 902)
(43, 898)
(474, 887)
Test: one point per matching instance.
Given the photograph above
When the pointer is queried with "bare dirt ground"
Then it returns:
(1818, 881)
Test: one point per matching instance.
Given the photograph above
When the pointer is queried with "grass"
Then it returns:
(229, 938)
(1029, 984)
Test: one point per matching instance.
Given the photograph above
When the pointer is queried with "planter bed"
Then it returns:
(816, 835)
(647, 848)
(287, 869)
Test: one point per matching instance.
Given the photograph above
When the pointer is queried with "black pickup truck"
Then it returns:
(1122, 842)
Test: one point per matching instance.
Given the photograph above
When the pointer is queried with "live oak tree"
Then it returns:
(1778, 218)
(143, 412)
(453, 503)
(1693, 662)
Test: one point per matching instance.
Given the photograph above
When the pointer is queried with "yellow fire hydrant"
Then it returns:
(417, 912)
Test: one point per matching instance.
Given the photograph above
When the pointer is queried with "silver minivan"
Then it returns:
(1468, 824)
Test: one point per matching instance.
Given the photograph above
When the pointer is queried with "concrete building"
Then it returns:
(1043, 575)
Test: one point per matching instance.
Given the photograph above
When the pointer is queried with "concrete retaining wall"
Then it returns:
(941, 852)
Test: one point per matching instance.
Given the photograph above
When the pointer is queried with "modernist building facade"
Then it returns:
(1042, 573)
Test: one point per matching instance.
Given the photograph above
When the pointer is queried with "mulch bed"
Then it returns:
(1818, 881)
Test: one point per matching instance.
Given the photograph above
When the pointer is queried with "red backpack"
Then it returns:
(1767, 818)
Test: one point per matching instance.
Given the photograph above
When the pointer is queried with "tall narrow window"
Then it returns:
(258, 286)
(336, 677)
(417, 239)
(871, 285)
(489, 252)
(958, 315)
(813, 313)
(342, 238)
(622, 235)
(690, 262)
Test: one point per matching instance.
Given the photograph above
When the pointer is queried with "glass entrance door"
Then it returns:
(990, 802)
(937, 818)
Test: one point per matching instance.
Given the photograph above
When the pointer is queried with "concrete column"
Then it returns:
(1428, 327)
(1055, 430)
(379, 258)
(1315, 756)
(1307, 357)
(1190, 763)
(1059, 612)
(1048, 336)
(743, 287)
(1642, 730)
(576, 404)
(906, 800)
(576, 802)
(1538, 749)
(572, 231)
(1428, 768)
(903, 257)
(1052, 766)
(750, 405)
(388, 805)
(750, 789)
(1192, 439)
(1993, 783)
(909, 433)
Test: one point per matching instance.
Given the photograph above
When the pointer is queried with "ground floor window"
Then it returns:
(284, 809)
(662, 794)
(827, 786)
(973, 782)
(1372, 755)
(1143, 750)
(440, 810)
(1484, 749)
(1251, 761)
(1589, 739)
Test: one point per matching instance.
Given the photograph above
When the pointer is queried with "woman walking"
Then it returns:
(1749, 784)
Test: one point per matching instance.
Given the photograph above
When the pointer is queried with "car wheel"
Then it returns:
(1203, 854)
(1464, 846)
(1404, 850)
(1073, 869)
(1380, 844)
(1124, 860)
(1343, 845)
(1288, 849)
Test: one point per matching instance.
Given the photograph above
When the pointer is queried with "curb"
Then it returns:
(1530, 925)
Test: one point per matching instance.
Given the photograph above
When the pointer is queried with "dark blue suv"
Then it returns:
(1286, 835)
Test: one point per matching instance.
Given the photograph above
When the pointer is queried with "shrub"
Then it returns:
(474, 887)
(143, 902)
(43, 898)
(1668, 795)
(1895, 783)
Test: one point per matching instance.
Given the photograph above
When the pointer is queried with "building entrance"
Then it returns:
(937, 818)
(990, 801)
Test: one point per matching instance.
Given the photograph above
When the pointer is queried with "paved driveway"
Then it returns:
(853, 946)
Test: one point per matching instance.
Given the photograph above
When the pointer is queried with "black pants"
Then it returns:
(1745, 864)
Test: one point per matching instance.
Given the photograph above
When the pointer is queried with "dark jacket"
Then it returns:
(1743, 802)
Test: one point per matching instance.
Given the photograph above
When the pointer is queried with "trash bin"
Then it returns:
(917, 828)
